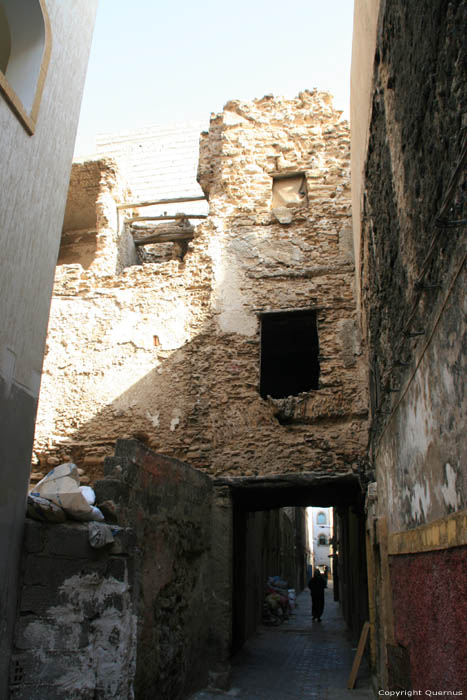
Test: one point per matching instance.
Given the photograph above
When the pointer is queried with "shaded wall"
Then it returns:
(168, 504)
(412, 264)
(351, 568)
(33, 185)
(264, 545)
(76, 628)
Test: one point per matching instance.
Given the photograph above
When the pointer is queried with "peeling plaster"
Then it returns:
(154, 418)
(175, 422)
(228, 299)
(450, 493)
(419, 498)
(107, 661)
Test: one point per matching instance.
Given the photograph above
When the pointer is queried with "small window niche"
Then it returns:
(322, 541)
(289, 191)
(289, 353)
(25, 44)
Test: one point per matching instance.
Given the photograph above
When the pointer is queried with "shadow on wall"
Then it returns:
(200, 403)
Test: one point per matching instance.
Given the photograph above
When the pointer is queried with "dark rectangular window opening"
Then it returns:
(289, 353)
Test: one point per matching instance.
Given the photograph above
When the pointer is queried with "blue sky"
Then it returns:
(160, 62)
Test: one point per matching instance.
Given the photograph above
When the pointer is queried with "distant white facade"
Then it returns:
(321, 532)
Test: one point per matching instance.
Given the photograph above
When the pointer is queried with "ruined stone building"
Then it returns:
(186, 350)
(290, 334)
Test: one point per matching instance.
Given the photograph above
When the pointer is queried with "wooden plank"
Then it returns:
(154, 202)
(164, 238)
(358, 656)
(177, 217)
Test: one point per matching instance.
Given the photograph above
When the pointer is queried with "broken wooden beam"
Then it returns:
(155, 202)
(176, 217)
(169, 237)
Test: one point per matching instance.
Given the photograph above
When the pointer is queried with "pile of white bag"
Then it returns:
(59, 495)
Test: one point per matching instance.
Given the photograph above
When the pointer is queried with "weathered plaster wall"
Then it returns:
(171, 351)
(77, 624)
(33, 185)
(422, 453)
(413, 315)
(168, 505)
(413, 268)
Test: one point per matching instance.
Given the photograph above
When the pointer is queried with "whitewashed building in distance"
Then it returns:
(321, 531)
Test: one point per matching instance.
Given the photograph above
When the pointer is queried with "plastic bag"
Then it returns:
(89, 494)
(99, 535)
(44, 510)
(61, 486)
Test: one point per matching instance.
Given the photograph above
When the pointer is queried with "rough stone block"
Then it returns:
(109, 489)
(124, 541)
(34, 536)
(34, 599)
(70, 540)
(117, 568)
(49, 572)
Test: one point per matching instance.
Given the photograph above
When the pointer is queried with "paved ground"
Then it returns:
(298, 660)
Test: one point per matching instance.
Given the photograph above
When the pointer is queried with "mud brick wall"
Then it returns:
(168, 503)
(170, 352)
(76, 627)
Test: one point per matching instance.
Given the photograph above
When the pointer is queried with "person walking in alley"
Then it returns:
(317, 585)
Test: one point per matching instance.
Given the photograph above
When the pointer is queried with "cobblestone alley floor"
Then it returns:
(299, 660)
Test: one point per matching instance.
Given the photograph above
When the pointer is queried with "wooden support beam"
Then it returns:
(176, 217)
(164, 238)
(155, 202)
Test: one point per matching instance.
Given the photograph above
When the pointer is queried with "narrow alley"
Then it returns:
(233, 351)
(298, 659)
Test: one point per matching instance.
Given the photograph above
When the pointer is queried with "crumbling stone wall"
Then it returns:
(138, 618)
(413, 299)
(93, 234)
(170, 352)
(168, 504)
(77, 624)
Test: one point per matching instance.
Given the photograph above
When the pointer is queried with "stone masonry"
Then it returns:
(77, 625)
(170, 352)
